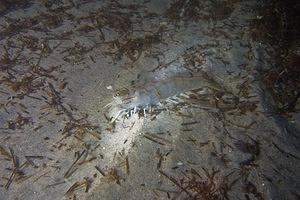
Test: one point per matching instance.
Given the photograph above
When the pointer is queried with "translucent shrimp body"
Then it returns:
(152, 89)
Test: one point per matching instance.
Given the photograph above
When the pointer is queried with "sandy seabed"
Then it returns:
(210, 135)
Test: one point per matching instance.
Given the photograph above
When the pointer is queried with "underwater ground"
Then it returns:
(149, 99)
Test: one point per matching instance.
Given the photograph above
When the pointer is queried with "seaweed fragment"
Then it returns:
(133, 48)
(250, 188)
(8, 61)
(211, 186)
(156, 139)
(19, 122)
(5, 153)
(23, 86)
(251, 148)
(15, 171)
(10, 5)
(73, 168)
(85, 183)
(184, 9)
(79, 128)
(109, 18)
(112, 176)
(284, 83)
